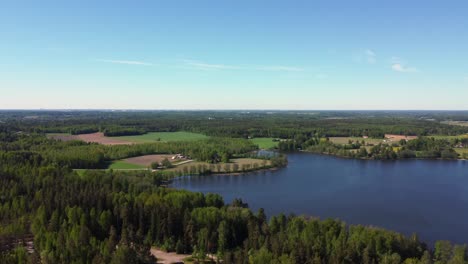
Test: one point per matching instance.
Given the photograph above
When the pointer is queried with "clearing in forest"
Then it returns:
(456, 123)
(152, 137)
(164, 257)
(397, 138)
(265, 143)
(146, 160)
(462, 151)
(123, 165)
(141, 162)
(90, 138)
(345, 140)
(449, 137)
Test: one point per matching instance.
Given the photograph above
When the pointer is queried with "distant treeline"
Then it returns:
(285, 125)
(83, 130)
(111, 131)
(123, 131)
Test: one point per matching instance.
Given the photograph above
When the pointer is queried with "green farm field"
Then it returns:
(265, 143)
(462, 151)
(122, 165)
(163, 136)
(450, 137)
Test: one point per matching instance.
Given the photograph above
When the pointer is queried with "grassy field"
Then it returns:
(163, 136)
(122, 165)
(462, 151)
(450, 137)
(456, 123)
(265, 143)
(345, 140)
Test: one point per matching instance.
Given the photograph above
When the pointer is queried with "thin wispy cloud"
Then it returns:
(128, 62)
(399, 65)
(200, 65)
(208, 66)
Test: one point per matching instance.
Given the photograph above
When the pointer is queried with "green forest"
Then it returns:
(50, 213)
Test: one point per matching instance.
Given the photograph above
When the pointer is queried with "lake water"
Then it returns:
(429, 197)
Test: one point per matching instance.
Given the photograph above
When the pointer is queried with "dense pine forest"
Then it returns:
(49, 213)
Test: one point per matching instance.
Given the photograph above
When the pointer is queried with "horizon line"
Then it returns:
(213, 109)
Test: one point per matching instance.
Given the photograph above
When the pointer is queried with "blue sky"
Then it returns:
(234, 54)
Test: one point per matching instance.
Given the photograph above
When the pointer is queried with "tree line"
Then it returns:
(422, 148)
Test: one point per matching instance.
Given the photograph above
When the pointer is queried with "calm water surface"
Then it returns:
(422, 196)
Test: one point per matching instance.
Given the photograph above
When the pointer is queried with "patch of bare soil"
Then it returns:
(168, 257)
(101, 139)
(396, 138)
(92, 138)
(146, 160)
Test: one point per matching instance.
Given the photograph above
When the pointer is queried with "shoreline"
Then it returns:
(237, 173)
(355, 158)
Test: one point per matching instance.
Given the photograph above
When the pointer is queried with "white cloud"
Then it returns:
(128, 62)
(400, 65)
(400, 68)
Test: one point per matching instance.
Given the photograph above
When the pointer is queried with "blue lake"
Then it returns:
(428, 197)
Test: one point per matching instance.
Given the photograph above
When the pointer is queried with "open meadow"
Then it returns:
(145, 161)
(152, 137)
(89, 138)
(345, 140)
(449, 137)
(462, 151)
(183, 165)
(456, 123)
(123, 165)
(265, 143)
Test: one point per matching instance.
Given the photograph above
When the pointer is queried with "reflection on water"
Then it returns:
(426, 197)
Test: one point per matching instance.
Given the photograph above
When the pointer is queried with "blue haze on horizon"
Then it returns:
(234, 54)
